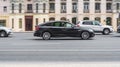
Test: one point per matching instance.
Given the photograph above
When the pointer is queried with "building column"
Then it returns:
(69, 18)
(69, 6)
(114, 21)
(103, 19)
(57, 6)
(80, 10)
(92, 6)
(103, 6)
(57, 9)
(80, 7)
(92, 17)
(80, 17)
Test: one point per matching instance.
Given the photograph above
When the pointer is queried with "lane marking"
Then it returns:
(62, 50)
(60, 64)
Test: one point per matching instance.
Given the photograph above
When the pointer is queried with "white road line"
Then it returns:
(61, 50)
(60, 64)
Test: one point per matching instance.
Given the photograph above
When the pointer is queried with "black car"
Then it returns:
(118, 29)
(62, 29)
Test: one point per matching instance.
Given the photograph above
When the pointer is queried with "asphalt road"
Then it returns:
(26, 47)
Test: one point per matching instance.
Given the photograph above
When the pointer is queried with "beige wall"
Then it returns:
(57, 15)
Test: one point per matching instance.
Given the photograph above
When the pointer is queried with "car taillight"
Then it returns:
(78, 25)
(37, 27)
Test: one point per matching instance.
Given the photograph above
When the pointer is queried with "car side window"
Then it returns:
(57, 24)
(96, 23)
(87, 23)
(68, 25)
(48, 24)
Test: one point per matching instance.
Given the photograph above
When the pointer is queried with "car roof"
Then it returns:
(87, 20)
(58, 21)
(52, 22)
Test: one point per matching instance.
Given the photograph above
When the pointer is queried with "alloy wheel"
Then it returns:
(106, 31)
(2, 34)
(85, 35)
(46, 36)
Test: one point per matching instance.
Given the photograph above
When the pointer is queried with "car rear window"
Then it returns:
(87, 23)
(47, 24)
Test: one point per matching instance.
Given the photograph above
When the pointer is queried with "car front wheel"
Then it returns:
(3, 34)
(46, 36)
(85, 35)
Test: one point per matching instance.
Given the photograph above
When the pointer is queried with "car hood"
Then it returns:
(4, 28)
(107, 26)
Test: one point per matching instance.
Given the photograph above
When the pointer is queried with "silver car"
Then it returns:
(4, 31)
(96, 26)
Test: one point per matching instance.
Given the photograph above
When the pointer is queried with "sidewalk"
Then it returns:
(59, 64)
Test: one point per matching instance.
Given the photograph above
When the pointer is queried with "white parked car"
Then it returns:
(4, 31)
(96, 26)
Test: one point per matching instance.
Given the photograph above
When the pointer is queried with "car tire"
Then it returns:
(85, 35)
(106, 32)
(46, 36)
(3, 34)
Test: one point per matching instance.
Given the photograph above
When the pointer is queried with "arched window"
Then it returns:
(108, 21)
(98, 19)
(63, 18)
(52, 19)
(74, 20)
(86, 18)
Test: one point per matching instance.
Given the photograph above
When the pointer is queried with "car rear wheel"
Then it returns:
(46, 36)
(3, 34)
(85, 35)
(106, 32)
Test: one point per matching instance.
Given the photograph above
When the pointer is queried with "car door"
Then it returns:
(57, 28)
(70, 30)
(87, 24)
(97, 26)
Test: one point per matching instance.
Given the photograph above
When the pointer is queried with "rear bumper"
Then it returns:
(37, 34)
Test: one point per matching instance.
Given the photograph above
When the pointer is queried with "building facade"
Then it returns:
(4, 12)
(23, 15)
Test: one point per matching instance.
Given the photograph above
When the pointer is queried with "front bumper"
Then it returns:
(111, 30)
(37, 34)
(92, 34)
(9, 32)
